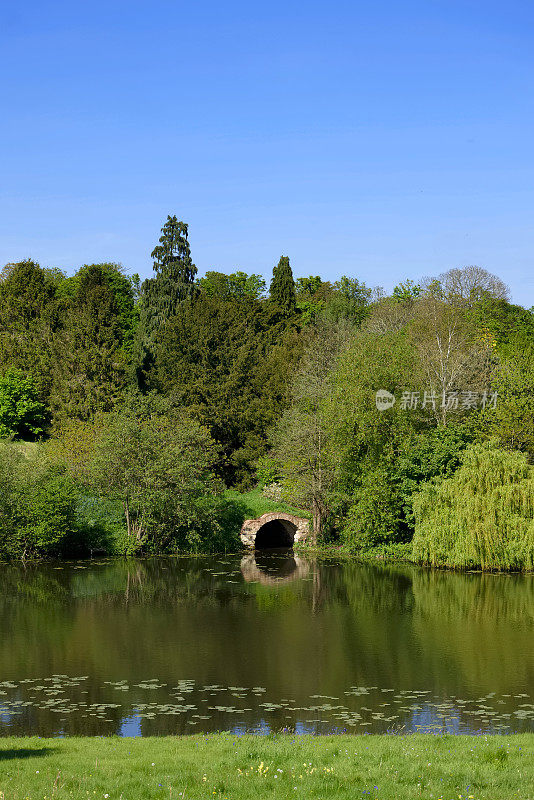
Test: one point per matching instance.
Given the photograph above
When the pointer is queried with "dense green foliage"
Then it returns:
(37, 505)
(158, 467)
(21, 413)
(279, 389)
(459, 371)
(347, 298)
(71, 337)
(229, 364)
(482, 516)
(28, 320)
(236, 285)
(92, 344)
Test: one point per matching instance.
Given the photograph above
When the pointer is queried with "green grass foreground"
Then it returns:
(281, 766)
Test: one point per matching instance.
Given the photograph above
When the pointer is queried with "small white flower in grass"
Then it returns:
(37, 772)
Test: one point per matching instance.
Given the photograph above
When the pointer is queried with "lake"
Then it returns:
(262, 643)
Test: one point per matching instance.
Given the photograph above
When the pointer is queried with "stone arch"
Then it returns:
(288, 569)
(275, 533)
(274, 529)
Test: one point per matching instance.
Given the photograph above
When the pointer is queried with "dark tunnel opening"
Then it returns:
(275, 534)
(279, 564)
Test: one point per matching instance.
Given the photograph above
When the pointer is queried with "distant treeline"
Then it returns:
(128, 407)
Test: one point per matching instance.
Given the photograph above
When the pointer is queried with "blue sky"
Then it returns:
(382, 140)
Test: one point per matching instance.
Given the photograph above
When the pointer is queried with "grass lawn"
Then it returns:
(257, 767)
(255, 504)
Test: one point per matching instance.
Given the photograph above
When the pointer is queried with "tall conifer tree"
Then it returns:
(161, 295)
(282, 291)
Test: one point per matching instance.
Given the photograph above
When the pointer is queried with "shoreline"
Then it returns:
(388, 555)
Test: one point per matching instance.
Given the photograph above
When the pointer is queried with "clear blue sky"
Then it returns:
(383, 140)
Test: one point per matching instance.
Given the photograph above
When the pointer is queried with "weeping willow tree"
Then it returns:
(482, 516)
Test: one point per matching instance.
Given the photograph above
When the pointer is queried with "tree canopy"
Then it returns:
(365, 408)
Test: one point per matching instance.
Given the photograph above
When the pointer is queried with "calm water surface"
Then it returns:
(165, 646)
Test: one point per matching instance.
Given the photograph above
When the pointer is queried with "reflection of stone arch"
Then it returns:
(274, 530)
(287, 571)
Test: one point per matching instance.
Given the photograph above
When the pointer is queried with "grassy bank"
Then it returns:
(254, 504)
(391, 553)
(283, 766)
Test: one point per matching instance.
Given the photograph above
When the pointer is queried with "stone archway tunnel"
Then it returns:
(273, 530)
(273, 570)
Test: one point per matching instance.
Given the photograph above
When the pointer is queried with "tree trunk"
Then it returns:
(127, 513)
(317, 520)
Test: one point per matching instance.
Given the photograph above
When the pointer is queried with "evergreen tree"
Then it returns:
(124, 290)
(28, 319)
(175, 271)
(162, 295)
(228, 362)
(89, 361)
(282, 290)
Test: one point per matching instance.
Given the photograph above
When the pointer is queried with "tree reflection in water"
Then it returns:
(316, 642)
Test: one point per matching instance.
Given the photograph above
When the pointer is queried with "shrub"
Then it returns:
(375, 517)
(37, 505)
(100, 528)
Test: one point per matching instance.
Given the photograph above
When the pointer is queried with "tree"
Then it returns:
(236, 285)
(509, 328)
(354, 290)
(228, 362)
(368, 496)
(465, 287)
(158, 465)
(482, 516)
(512, 418)
(308, 287)
(124, 289)
(282, 291)
(21, 412)
(28, 319)
(456, 359)
(406, 292)
(161, 296)
(301, 438)
(89, 364)
(312, 294)
(349, 300)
